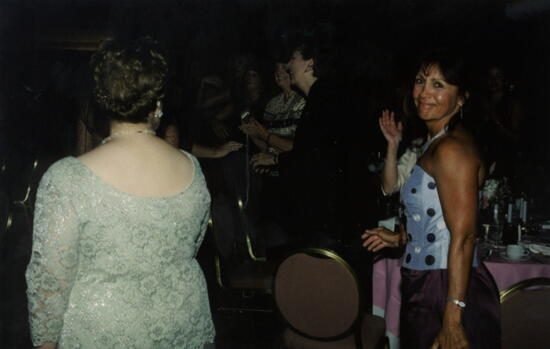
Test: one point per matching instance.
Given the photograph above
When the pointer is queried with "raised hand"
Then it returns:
(254, 129)
(392, 131)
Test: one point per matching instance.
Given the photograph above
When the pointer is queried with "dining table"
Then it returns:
(386, 298)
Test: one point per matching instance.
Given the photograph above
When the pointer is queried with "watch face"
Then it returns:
(461, 304)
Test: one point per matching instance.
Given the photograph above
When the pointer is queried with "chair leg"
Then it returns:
(219, 272)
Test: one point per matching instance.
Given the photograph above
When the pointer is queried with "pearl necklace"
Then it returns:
(122, 133)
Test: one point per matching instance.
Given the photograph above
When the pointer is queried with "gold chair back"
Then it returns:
(525, 312)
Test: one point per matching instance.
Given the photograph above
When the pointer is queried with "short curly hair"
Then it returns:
(130, 77)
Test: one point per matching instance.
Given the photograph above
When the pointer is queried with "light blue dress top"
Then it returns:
(428, 236)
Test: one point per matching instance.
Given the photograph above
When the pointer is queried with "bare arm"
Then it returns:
(456, 168)
(262, 138)
(202, 151)
(281, 143)
(378, 238)
(392, 132)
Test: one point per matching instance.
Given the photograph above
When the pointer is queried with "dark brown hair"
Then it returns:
(130, 78)
(454, 69)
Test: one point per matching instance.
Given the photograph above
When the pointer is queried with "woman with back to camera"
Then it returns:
(116, 230)
(448, 297)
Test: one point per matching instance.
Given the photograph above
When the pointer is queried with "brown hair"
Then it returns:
(130, 78)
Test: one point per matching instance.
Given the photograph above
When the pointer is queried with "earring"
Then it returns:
(461, 116)
(158, 112)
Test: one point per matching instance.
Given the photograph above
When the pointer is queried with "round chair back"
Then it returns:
(317, 294)
(525, 314)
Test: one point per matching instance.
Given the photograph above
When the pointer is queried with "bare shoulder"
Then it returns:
(457, 148)
(456, 156)
(90, 157)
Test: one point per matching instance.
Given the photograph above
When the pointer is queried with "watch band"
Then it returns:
(459, 303)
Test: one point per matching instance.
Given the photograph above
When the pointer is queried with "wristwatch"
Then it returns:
(459, 303)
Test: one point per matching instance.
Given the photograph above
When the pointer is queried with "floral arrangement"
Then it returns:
(495, 191)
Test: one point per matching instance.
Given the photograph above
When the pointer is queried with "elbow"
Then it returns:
(465, 240)
(464, 244)
(388, 188)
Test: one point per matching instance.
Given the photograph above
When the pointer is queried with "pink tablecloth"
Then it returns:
(387, 279)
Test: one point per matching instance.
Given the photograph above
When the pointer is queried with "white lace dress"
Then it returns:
(112, 270)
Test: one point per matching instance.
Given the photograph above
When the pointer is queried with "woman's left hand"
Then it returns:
(227, 148)
(451, 337)
(254, 129)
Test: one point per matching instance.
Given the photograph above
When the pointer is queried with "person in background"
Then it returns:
(117, 229)
(449, 300)
(314, 169)
(274, 133)
(500, 131)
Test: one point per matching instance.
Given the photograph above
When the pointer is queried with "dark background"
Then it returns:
(45, 46)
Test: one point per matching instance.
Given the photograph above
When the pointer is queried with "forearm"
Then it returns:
(389, 171)
(47, 346)
(202, 151)
(262, 145)
(281, 143)
(459, 265)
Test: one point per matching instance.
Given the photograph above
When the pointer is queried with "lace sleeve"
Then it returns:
(52, 268)
(404, 166)
(204, 226)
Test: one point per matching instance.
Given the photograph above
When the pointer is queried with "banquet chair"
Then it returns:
(25, 174)
(525, 312)
(244, 278)
(320, 300)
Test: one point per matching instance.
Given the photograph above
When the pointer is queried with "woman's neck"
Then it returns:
(435, 128)
(130, 127)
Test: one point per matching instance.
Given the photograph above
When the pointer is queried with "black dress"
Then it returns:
(326, 185)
